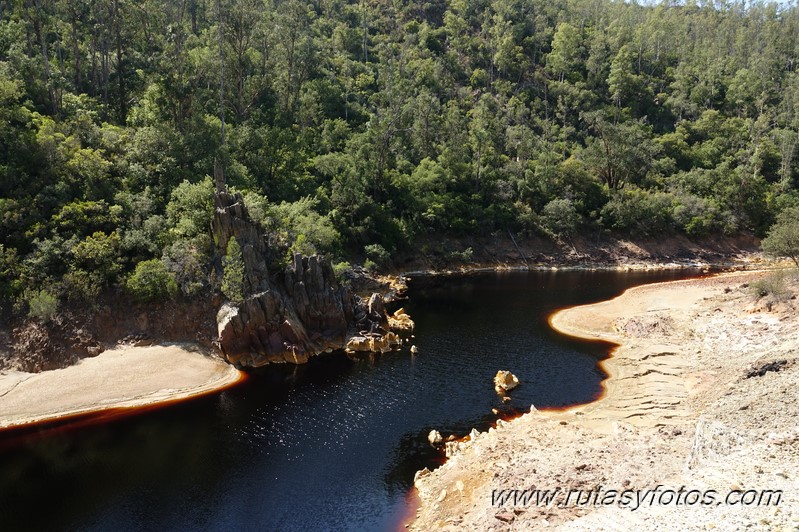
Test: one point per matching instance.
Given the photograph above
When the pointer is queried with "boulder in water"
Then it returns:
(505, 381)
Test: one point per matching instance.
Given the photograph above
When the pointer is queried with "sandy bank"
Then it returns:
(683, 406)
(120, 378)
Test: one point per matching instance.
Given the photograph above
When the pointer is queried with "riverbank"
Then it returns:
(502, 251)
(123, 377)
(702, 393)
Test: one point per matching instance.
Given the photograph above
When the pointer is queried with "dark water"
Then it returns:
(332, 445)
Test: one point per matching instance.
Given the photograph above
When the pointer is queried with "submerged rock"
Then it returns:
(505, 381)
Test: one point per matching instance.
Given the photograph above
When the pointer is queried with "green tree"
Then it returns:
(619, 153)
(561, 217)
(151, 281)
(783, 237)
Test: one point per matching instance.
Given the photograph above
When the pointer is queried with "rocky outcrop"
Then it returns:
(400, 321)
(59, 343)
(373, 343)
(293, 315)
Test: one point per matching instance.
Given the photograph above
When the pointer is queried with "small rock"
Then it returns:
(414, 349)
(94, 350)
(421, 474)
(505, 517)
(505, 381)
(434, 438)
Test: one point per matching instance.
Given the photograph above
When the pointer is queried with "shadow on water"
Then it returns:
(333, 444)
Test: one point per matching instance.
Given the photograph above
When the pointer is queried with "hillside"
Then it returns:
(369, 131)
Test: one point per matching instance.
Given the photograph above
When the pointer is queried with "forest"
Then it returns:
(354, 127)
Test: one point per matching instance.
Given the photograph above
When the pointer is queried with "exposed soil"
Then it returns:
(703, 393)
(437, 253)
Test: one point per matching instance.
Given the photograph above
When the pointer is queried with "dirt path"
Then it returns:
(119, 378)
(685, 405)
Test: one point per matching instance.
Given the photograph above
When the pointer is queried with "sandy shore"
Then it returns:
(685, 405)
(123, 377)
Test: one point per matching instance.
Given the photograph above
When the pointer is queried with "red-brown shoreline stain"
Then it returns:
(15, 434)
(412, 503)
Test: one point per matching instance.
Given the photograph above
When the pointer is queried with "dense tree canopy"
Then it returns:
(351, 124)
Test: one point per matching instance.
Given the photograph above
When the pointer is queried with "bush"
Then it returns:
(377, 254)
(100, 254)
(233, 272)
(462, 256)
(8, 271)
(773, 287)
(152, 281)
(42, 305)
(339, 269)
(82, 286)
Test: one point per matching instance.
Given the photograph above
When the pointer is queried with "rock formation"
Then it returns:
(293, 315)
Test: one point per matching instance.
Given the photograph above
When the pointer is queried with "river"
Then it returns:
(332, 445)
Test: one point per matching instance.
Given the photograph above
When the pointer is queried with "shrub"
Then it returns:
(42, 305)
(82, 286)
(340, 268)
(152, 281)
(462, 256)
(369, 265)
(100, 254)
(8, 271)
(377, 254)
(774, 287)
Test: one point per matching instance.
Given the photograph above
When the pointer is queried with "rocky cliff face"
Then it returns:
(285, 316)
